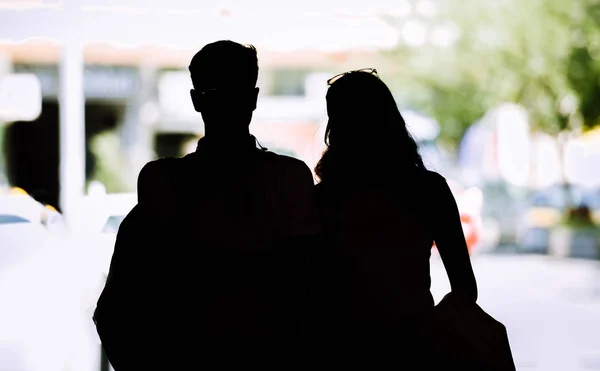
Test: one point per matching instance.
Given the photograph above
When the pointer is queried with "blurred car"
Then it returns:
(27, 226)
(547, 208)
(117, 208)
(16, 205)
(100, 217)
(591, 199)
(94, 232)
(41, 283)
(544, 211)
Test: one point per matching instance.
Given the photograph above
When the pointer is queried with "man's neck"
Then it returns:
(238, 140)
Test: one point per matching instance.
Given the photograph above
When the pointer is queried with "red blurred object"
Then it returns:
(470, 218)
(472, 234)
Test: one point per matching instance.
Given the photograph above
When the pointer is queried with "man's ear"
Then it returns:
(255, 98)
(195, 100)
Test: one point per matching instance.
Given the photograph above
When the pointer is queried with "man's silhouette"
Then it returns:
(208, 266)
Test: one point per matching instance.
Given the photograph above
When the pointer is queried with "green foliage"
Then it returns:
(537, 53)
(578, 217)
(110, 163)
(584, 64)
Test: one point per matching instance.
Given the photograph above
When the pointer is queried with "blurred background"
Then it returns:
(503, 97)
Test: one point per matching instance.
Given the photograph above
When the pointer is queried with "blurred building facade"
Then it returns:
(114, 108)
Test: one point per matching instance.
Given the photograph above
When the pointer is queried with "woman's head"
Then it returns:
(365, 134)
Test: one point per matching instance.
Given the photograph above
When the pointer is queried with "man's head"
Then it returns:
(224, 75)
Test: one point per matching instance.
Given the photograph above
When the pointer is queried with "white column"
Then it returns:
(72, 128)
(5, 69)
(136, 131)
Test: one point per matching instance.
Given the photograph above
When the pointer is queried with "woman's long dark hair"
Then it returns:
(366, 136)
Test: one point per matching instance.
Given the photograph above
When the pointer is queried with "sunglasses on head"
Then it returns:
(337, 77)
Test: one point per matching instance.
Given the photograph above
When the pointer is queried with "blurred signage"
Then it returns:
(546, 162)
(100, 82)
(110, 82)
(20, 97)
(513, 142)
(581, 166)
(177, 110)
(174, 95)
(474, 153)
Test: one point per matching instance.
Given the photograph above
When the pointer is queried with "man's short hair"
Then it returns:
(225, 63)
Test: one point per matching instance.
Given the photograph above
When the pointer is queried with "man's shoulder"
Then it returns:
(157, 168)
(160, 174)
(285, 161)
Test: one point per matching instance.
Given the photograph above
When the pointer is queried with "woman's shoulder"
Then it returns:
(438, 187)
(433, 177)
(432, 183)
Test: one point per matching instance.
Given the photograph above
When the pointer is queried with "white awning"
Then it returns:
(279, 26)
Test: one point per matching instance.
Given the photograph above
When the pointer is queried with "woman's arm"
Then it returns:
(450, 240)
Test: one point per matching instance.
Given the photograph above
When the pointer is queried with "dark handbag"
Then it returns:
(465, 337)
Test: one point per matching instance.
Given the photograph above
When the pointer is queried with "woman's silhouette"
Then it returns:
(381, 211)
